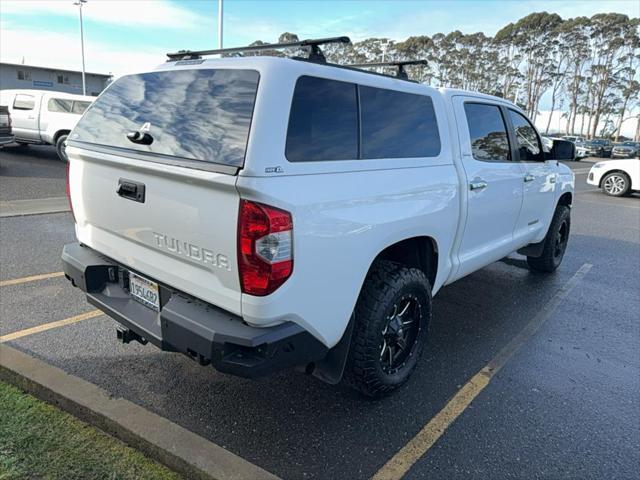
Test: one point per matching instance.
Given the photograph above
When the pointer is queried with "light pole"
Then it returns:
(219, 23)
(79, 3)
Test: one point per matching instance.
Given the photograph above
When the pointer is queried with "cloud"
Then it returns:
(62, 50)
(156, 13)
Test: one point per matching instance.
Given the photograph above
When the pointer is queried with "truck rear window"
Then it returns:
(201, 115)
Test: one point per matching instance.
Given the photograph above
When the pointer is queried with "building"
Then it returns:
(18, 76)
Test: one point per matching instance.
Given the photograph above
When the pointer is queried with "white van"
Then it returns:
(43, 117)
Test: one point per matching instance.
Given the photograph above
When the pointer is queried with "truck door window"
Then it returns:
(323, 123)
(529, 147)
(59, 105)
(24, 102)
(487, 132)
(397, 124)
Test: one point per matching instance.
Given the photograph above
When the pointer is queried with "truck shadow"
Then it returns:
(36, 161)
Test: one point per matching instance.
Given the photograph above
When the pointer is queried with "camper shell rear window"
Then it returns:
(200, 115)
(335, 120)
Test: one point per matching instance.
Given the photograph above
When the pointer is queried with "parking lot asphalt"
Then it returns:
(565, 405)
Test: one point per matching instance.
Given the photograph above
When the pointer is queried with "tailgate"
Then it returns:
(152, 176)
(183, 234)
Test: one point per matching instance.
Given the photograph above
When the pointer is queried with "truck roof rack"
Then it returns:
(315, 54)
(401, 73)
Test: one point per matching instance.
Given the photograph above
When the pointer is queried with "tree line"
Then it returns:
(589, 67)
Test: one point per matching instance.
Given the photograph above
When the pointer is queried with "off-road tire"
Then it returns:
(551, 258)
(387, 284)
(61, 148)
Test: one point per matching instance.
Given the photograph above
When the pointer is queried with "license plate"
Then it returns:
(144, 291)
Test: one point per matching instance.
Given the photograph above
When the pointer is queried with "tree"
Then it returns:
(560, 56)
(574, 36)
(609, 36)
(588, 66)
(531, 36)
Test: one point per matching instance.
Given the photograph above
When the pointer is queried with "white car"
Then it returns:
(581, 150)
(258, 213)
(616, 177)
(44, 117)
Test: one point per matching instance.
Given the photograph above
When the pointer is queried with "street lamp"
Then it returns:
(219, 23)
(79, 3)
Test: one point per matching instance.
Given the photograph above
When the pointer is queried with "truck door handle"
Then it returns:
(477, 185)
(131, 190)
(529, 178)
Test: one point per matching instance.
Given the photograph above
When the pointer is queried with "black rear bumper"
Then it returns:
(184, 324)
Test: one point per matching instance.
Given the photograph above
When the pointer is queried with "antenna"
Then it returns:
(315, 54)
(401, 73)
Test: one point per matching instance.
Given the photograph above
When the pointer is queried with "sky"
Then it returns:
(123, 36)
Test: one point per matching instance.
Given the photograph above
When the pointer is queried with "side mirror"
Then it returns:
(562, 150)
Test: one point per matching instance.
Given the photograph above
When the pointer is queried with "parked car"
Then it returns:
(581, 149)
(580, 143)
(6, 135)
(306, 222)
(598, 147)
(43, 117)
(616, 177)
(574, 138)
(626, 150)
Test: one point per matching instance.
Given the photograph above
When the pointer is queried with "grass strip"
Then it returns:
(37, 440)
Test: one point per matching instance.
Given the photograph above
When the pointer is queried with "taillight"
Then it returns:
(68, 189)
(265, 247)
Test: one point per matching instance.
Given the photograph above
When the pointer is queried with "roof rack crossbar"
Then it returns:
(315, 54)
(400, 64)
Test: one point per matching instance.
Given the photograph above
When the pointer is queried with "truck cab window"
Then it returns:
(487, 132)
(528, 143)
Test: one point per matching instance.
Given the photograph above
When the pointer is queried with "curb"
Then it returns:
(162, 440)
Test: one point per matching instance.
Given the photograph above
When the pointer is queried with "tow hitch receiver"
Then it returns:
(126, 336)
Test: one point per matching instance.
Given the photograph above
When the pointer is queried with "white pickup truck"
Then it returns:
(260, 213)
(43, 117)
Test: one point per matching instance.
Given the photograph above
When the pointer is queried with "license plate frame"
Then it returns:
(144, 291)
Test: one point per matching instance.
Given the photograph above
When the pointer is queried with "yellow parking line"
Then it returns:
(408, 455)
(49, 326)
(33, 278)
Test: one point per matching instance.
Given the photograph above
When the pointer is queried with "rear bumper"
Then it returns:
(5, 139)
(184, 324)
